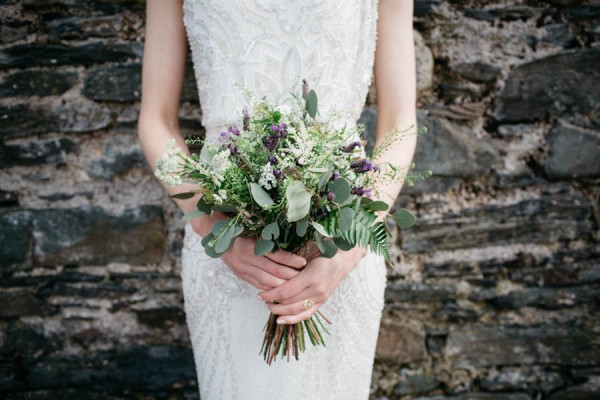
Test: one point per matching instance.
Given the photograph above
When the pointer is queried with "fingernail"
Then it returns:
(258, 297)
(281, 321)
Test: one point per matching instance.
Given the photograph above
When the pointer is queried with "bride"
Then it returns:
(270, 46)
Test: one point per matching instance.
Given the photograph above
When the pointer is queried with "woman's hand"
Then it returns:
(317, 281)
(264, 272)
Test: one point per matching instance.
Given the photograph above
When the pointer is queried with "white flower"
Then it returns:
(168, 167)
(267, 179)
(222, 194)
(219, 164)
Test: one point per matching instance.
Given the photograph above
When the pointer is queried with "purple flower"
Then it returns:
(270, 142)
(224, 137)
(278, 174)
(234, 131)
(335, 175)
(304, 89)
(349, 148)
(246, 119)
(330, 196)
(360, 191)
(362, 165)
(273, 160)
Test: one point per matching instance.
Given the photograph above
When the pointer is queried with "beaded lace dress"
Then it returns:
(270, 46)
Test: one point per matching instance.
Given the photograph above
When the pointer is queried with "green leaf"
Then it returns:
(301, 227)
(327, 248)
(259, 195)
(342, 243)
(324, 179)
(210, 251)
(262, 247)
(320, 228)
(183, 196)
(206, 239)
(298, 201)
(377, 205)
(237, 230)
(341, 188)
(224, 241)
(271, 231)
(193, 214)
(404, 218)
(225, 208)
(203, 206)
(345, 219)
(219, 226)
(316, 169)
(311, 103)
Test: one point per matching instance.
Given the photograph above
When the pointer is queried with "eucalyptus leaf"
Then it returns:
(219, 226)
(259, 195)
(210, 251)
(206, 239)
(301, 227)
(341, 188)
(320, 228)
(270, 232)
(193, 214)
(203, 206)
(224, 208)
(298, 201)
(325, 178)
(237, 230)
(327, 247)
(183, 196)
(345, 219)
(262, 247)
(311, 103)
(342, 243)
(404, 218)
(224, 241)
(377, 205)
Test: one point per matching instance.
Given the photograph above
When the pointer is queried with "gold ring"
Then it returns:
(308, 303)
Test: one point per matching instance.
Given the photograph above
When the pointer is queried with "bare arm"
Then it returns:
(163, 70)
(395, 82)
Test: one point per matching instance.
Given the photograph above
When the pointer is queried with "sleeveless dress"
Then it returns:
(270, 46)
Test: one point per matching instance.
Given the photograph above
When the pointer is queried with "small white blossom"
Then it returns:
(220, 163)
(267, 179)
(168, 167)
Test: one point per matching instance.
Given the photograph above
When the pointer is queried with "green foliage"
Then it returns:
(298, 201)
(404, 218)
(259, 195)
(311, 104)
(363, 232)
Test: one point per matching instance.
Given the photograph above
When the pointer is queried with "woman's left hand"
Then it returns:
(316, 281)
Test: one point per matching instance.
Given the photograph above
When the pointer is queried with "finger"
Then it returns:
(304, 315)
(265, 278)
(287, 258)
(289, 289)
(313, 292)
(253, 281)
(276, 269)
(290, 309)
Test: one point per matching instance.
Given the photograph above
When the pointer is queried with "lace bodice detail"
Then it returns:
(269, 46)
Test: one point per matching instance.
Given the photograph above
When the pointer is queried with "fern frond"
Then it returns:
(363, 232)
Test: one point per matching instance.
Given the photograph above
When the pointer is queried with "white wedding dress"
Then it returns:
(270, 46)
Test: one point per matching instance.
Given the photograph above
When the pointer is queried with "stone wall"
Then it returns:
(492, 295)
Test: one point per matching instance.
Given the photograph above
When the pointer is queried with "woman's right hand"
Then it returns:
(264, 272)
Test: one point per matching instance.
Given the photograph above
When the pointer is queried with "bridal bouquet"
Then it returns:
(292, 181)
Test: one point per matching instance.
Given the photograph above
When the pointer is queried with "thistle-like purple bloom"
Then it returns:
(270, 142)
(335, 175)
(246, 119)
(273, 160)
(304, 89)
(330, 196)
(278, 174)
(234, 131)
(362, 165)
(360, 191)
(349, 148)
